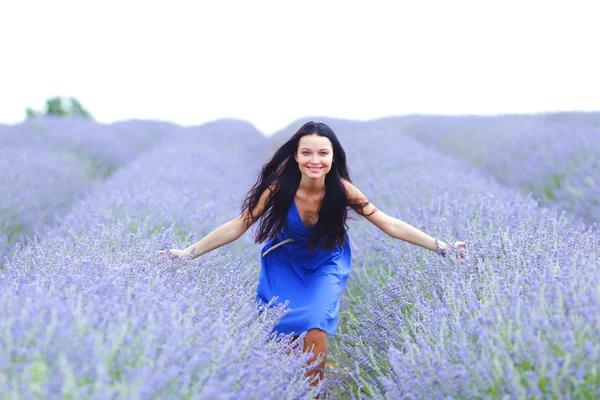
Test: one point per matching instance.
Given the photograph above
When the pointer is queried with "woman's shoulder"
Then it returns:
(347, 184)
(351, 190)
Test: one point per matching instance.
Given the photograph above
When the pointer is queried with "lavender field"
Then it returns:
(554, 156)
(89, 310)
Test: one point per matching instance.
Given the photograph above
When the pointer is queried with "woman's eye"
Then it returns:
(323, 153)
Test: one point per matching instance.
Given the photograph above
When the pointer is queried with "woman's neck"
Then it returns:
(311, 186)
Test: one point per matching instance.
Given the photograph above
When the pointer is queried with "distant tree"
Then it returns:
(77, 109)
(61, 107)
(54, 106)
(32, 113)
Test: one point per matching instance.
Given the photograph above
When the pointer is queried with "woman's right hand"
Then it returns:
(174, 254)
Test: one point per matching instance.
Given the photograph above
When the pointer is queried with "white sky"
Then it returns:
(272, 62)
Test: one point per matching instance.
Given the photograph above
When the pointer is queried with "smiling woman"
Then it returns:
(301, 200)
(315, 155)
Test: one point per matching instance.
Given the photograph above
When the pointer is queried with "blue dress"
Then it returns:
(312, 281)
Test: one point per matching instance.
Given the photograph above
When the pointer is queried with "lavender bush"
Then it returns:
(102, 147)
(103, 317)
(36, 184)
(189, 186)
(555, 156)
(50, 163)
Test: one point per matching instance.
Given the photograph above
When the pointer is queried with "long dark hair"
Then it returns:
(330, 230)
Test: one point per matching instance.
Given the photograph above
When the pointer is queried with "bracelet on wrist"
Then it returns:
(441, 252)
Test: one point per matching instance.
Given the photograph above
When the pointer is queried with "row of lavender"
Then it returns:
(555, 156)
(49, 164)
(518, 317)
(92, 311)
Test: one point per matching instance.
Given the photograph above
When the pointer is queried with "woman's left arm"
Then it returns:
(396, 228)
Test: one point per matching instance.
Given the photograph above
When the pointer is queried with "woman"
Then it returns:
(301, 197)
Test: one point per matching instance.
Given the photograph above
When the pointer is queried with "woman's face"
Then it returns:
(314, 156)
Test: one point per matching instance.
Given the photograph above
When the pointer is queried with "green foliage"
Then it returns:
(30, 112)
(61, 107)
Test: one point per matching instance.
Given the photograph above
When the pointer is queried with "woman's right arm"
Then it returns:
(224, 234)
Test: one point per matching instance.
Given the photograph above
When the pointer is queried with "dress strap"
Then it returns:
(277, 245)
